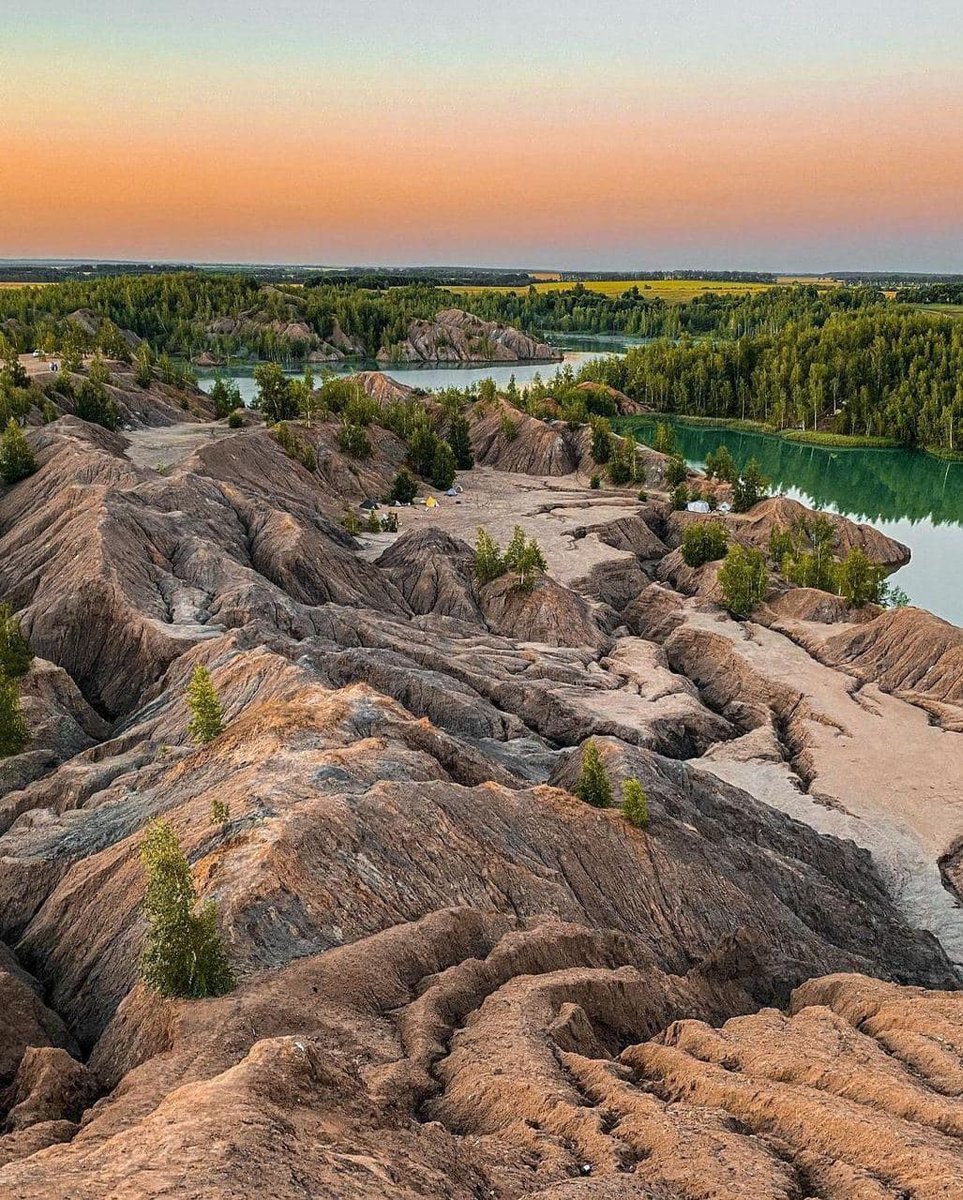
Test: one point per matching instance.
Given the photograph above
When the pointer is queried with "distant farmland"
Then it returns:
(673, 291)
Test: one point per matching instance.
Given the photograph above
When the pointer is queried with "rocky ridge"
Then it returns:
(455, 978)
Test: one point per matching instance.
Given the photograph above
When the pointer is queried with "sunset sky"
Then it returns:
(769, 134)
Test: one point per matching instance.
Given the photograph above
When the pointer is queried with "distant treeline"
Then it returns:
(867, 371)
(946, 292)
(365, 277)
(583, 310)
(720, 276)
(189, 312)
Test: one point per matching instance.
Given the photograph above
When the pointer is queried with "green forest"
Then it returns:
(873, 372)
(185, 313)
(842, 361)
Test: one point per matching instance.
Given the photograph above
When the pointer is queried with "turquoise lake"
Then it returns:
(907, 495)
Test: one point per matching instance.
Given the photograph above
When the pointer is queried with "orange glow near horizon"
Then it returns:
(427, 180)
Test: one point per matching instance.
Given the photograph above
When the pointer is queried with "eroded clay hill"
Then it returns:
(455, 979)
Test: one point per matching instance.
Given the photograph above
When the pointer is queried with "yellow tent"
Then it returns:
(431, 502)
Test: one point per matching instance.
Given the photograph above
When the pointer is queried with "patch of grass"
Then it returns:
(948, 310)
(819, 437)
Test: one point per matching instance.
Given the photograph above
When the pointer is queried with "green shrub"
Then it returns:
(509, 427)
(17, 459)
(95, 404)
(595, 482)
(593, 786)
(601, 439)
(489, 563)
(815, 567)
(15, 653)
(220, 812)
(750, 487)
(860, 580)
(460, 441)
(443, 467)
(403, 490)
(704, 541)
(422, 446)
(622, 462)
(184, 957)
(226, 397)
(783, 544)
(675, 472)
(353, 440)
(665, 441)
(294, 447)
(680, 497)
(635, 804)
(895, 597)
(13, 727)
(275, 396)
(145, 359)
(207, 715)
(744, 579)
(524, 557)
(361, 410)
(721, 465)
(235, 420)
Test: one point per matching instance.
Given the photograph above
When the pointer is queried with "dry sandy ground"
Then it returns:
(548, 508)
(884, 775)
(167, 445)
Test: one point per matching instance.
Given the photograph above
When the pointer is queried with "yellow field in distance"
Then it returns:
(673, 291)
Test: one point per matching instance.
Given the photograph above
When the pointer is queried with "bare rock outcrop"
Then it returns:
(159, 404)
(546, 612)
(755, 528)
(453, 335)
(906, 650)
(434, 572)
(507, 439)
(27, 1021)
(50, 1086)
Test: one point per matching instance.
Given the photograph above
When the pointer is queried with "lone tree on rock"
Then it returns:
(744, 579)
(524, 557)
(489, 563)
(594, 786)
(13, 728)
(207, 714)
(635, 804)
(183, 956)
(17, 459)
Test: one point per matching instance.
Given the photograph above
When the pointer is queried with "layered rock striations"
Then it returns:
(454, 978)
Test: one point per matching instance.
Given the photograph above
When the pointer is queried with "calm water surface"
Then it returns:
(907, 495)
(575, 349)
